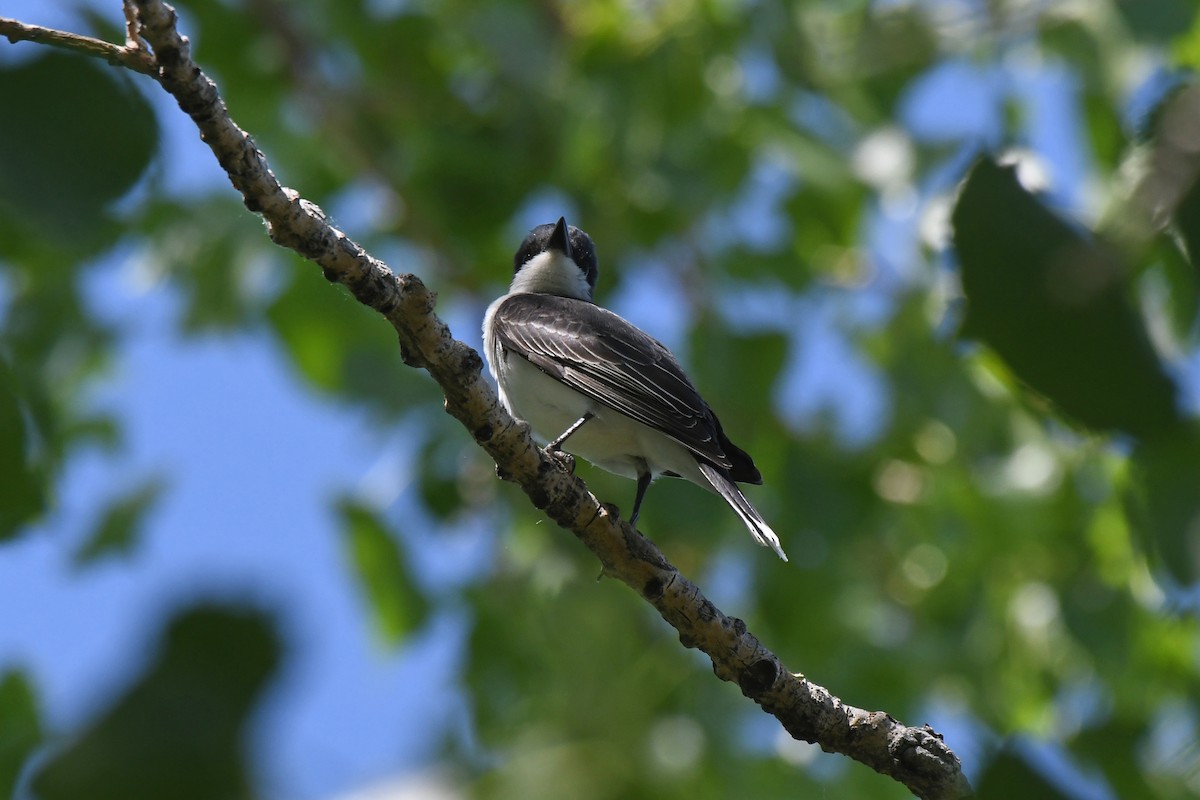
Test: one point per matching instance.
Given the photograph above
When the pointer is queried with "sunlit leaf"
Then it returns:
(384, 575)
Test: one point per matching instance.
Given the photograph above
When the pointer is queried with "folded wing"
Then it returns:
(612, 361)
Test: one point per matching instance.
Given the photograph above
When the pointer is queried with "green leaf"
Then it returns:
(20, 729)
(1116, 747)
(22, 480)
(342, 347)
(120, 527)
(1187, 222)
(440, 490)
(1165, 502)
(178, 731)
(1182, 302)
(384, 574)
(1010, 775)
(1167, 128)
(216, 253)
(1159, 21)
(1055, 306)
(84, 136)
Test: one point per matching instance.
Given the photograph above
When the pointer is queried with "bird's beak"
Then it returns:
(560, 240)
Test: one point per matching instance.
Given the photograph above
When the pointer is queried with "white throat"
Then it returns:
(551, 272)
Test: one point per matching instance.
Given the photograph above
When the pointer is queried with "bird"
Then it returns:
(589, 381)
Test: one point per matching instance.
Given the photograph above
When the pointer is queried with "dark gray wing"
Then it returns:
(610, 360)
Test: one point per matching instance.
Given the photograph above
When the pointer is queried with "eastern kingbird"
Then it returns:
(576, 371)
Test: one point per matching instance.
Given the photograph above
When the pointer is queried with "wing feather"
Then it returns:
(615, 363)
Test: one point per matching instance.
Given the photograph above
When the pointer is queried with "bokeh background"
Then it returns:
(242, 543)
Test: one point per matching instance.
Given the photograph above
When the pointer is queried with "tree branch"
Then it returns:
(136, 59)
(916, 757)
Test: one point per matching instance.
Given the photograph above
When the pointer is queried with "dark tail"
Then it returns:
(759, 528)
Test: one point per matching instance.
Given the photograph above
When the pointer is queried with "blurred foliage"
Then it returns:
(1055, 307)
(176, 732)
(343, 351)
(23, 485)
(387, 580)
(20, 727)
(980, 553)
(1009, 774)
(119, 528)
(61, 175)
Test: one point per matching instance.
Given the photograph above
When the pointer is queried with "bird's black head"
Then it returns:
(559, 237)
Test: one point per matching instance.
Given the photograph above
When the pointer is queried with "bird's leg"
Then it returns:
(557, 444)
(554, 449)
(644, 478)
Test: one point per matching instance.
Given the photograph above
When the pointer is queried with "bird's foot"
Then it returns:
(564, 460)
